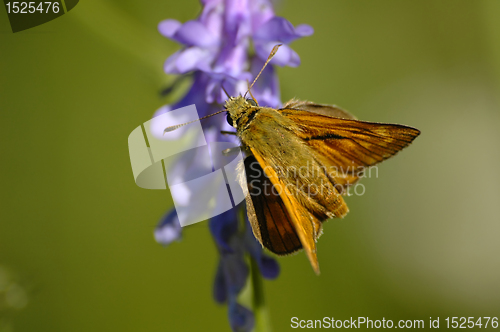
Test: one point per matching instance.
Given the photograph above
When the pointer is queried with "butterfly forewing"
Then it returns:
(346, 147)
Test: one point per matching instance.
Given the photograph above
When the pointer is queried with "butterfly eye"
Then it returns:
(251, 102)
(229, 119)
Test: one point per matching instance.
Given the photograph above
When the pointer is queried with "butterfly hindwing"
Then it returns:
(328, 110)
(288, 223)
(267, 213)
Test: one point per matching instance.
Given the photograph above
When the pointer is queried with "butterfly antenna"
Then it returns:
(251, 95)
(227, 94)
(271, 55)
(172, 128)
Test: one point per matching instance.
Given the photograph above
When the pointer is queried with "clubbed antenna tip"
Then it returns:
(271, 55)
(172, 128)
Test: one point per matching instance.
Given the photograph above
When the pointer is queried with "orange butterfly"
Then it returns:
(303, 158)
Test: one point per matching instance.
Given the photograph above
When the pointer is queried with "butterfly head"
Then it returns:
(236, 107)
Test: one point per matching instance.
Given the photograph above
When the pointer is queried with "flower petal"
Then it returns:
(212, 16)
(193, 33)
(232, 60)
(237, 23)
(236, 272)
(169, 65)
(168, 229)
(281, 30)
(196, 95)
(269, 267)
(262, 11)
(192, 58)
(220, 287)
(209, 2)
(304, 30)
(241, 319)
(168, 28)
(223, 227)
(233, 86)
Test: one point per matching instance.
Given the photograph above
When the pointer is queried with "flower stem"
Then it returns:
(260, 310)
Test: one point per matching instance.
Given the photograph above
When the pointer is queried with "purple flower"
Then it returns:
(216, 52)
(217, 43)
(232, 272)
(168, 229)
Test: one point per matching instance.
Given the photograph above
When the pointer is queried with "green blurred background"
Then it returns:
(76, 232)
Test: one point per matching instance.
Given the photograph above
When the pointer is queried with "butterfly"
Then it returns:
(302, 159)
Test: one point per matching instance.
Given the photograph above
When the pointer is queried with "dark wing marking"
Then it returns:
(267, 213)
